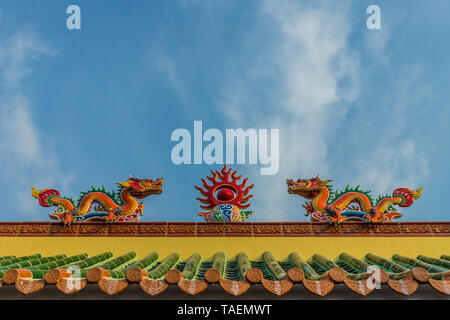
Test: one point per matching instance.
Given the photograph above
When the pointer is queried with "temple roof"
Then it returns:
(251, 260)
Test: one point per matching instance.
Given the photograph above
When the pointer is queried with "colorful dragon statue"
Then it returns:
(121, 206)
(225, 197)
(350, 204)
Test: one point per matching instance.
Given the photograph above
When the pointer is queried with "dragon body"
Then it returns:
(350, 204)
(97, 203)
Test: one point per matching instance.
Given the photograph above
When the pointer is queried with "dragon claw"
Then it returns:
(374, 219)
(336, 221)
(67, 219)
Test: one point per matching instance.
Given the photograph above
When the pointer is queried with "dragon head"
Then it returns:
(142, 188)
(307, 188)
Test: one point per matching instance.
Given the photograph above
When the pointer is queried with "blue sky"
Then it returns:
(89, 107)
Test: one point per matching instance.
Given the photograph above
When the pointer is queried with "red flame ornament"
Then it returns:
(225, 198)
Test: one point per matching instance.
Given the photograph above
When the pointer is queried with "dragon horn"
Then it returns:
(34, 192)
(416, 194)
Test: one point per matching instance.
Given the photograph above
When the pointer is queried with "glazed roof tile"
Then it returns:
(235, 275)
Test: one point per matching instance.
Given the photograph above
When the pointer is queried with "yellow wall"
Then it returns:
(207, 246)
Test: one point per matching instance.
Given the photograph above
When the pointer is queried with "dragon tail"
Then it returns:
(407, 195)
(44, 196)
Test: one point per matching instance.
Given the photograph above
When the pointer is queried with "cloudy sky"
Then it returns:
(91, 106)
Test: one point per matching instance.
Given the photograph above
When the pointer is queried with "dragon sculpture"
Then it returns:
(97, 203)
(350, 204)
(225, 198)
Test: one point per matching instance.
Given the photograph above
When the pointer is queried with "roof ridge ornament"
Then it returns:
(99, 204)
(225, 197)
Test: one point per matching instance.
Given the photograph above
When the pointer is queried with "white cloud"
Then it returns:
(376, 41)
(319, 75)
(304, 77)
(17, 52)
(394, 160)
(165, 64)
(27, 156)
(18, 139)
(310, 58)
(395, 165)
